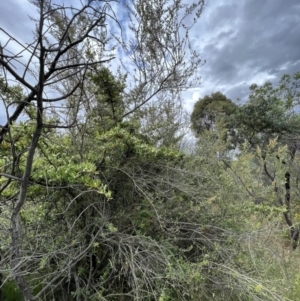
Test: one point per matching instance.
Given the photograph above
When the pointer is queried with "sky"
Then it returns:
(242, 42)
(245, 42)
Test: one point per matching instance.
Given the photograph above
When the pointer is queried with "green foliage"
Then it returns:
(10, 94)
(115, 211)
(108, 107)
(169, 224)
(11, 292)
(93, 207)
(208, 110)
(269, 113)
(289, 89)
(164, 121)
(295, 288)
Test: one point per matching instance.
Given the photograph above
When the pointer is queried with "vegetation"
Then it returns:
(209, 110)
(99, 200)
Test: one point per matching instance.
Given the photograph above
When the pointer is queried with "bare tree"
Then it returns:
(52, 57)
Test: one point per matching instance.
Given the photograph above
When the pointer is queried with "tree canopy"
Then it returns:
(208, 110)
(269, 113)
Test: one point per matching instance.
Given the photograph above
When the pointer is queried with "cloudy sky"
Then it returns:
(242, 41)
(245, 42)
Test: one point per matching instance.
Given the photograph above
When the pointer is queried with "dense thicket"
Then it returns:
(98, 200)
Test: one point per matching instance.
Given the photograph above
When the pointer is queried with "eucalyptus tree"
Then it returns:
(208, 110)
(267, 124)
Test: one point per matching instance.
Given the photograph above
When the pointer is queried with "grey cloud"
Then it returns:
(247, 39)
(222, 14)
(240, 40)
(240, 92)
